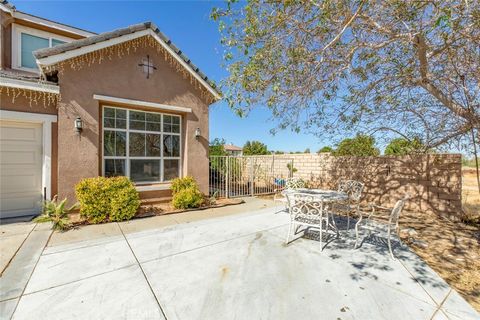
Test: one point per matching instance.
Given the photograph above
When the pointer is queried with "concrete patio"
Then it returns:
(232, 267)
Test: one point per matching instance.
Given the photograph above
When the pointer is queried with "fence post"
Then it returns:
(291, 169)
(227, 182)
(273, 165)
(251, 177)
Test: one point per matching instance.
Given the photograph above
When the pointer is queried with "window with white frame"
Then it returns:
(27, 40)
(144, 146)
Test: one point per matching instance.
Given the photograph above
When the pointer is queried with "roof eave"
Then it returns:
(150, 29)
(51, 24)
(7, 7)
(29, 85)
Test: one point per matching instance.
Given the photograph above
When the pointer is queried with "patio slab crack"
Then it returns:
(79, 280)
(439, 308)
(144, 275)
(15, 277)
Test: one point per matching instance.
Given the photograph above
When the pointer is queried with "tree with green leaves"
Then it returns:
(255, 148)
(402, 146)
(325, 149)
(217, 147)
(360, 146)
(408, 68)
(307, 150)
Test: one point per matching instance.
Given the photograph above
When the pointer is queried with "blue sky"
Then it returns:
(188, 24)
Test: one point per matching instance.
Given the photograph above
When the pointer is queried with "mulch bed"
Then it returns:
(167, 208)
(159, 209)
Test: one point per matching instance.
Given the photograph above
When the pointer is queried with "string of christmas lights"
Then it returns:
(34, 97)
(97, 57)
(123, 49)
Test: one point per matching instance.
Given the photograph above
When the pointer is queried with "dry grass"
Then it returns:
(470, 196)
(453, 248)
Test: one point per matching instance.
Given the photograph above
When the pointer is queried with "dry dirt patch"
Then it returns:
(452, 249)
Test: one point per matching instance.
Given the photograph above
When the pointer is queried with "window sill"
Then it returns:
(27, 71)
(153, 187)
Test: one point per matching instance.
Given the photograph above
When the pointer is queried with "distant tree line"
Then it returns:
(364, 145)
(360, 146)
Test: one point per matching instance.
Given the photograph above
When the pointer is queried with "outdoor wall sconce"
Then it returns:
(198, 133)
(78, 125)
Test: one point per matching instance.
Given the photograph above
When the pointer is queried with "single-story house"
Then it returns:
(233, 150)
(75, 104)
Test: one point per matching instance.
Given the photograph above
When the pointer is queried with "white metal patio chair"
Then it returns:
(290, 184)
(310, 211)
(354, 190)
(367, 223)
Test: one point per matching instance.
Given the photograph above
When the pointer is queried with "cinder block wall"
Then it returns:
(434, 181)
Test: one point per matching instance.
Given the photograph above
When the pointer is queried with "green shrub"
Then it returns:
(107, 199)
(186, 193)
(179, 184)
(187, 198)
(56, 213)
(126, 201)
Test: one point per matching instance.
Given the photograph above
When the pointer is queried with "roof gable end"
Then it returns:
(51, 56)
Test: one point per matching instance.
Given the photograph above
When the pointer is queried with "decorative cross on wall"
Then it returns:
(148, 66)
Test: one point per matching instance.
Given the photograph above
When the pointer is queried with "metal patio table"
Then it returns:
(312, 207)
(326, 195)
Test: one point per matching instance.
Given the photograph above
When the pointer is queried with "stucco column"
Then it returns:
(78, 154)
(196, 149)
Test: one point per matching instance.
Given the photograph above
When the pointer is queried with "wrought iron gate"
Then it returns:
(247, 175)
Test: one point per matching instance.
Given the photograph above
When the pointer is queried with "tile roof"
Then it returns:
(24, 76)
(231, 147)
(7, 4)
(59, 49)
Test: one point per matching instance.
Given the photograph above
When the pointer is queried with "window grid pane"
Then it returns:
(114, 118)
(161, 152)
(108, 143)
(114, 143)
(136, 144)
(171, 124)
(152, 145)
(120, 143)
(114, 167)
(145, 170)
(171, 145)
(29, 44)
(170, 169)
(120, 113)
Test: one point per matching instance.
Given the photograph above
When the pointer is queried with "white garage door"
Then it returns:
(20, 168)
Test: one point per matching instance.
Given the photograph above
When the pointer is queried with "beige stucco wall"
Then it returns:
(22, 103)
(5, 40)
(80, 156)
(433, 181)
